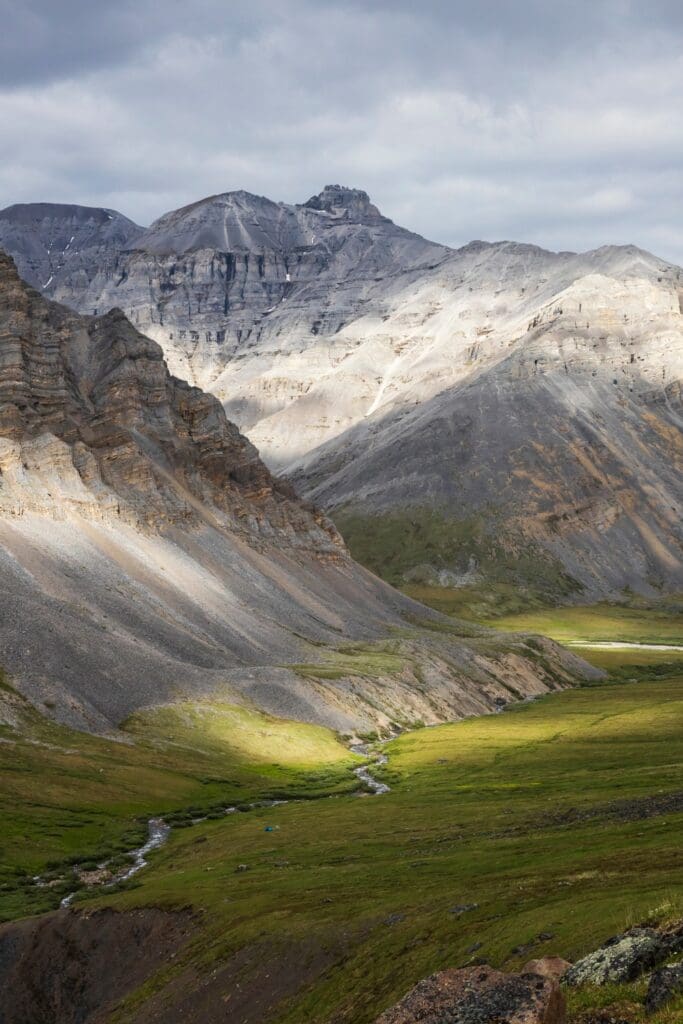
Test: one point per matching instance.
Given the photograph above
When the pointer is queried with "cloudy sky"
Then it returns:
(539, 120)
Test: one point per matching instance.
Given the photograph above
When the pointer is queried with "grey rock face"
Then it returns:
(59, 248)
(237, 275)
(147, 553)
(622, 959)
(665, 983)
(380, 371)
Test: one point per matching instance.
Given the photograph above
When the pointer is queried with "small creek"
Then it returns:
(159, 830)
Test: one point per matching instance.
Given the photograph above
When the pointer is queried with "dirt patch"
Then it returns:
(637, 809)
(250, 987)
(73, 967)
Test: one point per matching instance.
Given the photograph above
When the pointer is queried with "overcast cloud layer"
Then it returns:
(556, 123)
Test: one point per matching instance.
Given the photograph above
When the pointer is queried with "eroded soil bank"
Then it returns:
(72, 967)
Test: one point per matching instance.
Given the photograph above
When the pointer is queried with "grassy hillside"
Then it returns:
(69, 796)
(544, 829)
(657, 623)
(409, 549)
(553, 823)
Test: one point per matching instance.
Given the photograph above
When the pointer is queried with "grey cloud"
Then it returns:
(557, 124)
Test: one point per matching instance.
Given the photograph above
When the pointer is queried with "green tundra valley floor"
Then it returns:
(544, 829)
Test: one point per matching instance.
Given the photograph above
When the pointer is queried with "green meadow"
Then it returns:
(547, 821)
(544, 829)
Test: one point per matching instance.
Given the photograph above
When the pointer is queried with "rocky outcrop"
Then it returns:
(475, 995)
(621, 959)
(236, 276)
(665, 983)
(626, 956)
(87, 407)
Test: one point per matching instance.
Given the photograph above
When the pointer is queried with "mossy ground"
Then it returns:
(474, 816)
(660, 622)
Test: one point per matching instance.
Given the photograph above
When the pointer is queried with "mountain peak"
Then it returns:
(340, 201)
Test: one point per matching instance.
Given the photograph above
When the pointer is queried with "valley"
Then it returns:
(341, 525)
(543, 829)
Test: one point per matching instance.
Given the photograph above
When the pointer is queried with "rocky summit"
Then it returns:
(536, 394)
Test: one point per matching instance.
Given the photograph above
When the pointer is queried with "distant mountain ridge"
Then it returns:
(497, 383)
(59, 246)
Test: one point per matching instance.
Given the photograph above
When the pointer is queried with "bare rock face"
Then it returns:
(88, 407)
(237, 275)
(665, 983)
(479, 995)
(58, 248)
(147, 553)
(621, 959)
(497, 382)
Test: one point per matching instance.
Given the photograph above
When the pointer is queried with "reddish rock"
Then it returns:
(548, 967)
(480, 995)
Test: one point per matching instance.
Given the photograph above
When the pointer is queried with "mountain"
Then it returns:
(146, 552)
(529, 429)
(58, 248)
(520, 408)
(243, 293)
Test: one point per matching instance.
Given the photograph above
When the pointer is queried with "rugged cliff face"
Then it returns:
(146, 552)
(89, 408)
(244, 294)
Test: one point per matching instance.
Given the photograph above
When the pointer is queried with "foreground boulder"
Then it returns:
(480, 995)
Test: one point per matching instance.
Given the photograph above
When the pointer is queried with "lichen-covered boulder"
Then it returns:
(479, 995)
(620, 959)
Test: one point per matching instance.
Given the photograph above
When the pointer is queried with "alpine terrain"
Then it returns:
(245, 779)
(487, 414)
(147, 552)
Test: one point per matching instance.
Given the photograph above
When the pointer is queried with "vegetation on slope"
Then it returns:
(410, 549)
(659, 622)
(68, 796)
(544, 829)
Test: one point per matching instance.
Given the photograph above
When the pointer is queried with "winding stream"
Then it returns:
(159, 830)
(363, 773)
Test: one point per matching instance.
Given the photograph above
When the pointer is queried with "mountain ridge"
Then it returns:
(323, 324)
